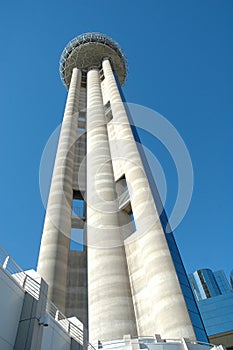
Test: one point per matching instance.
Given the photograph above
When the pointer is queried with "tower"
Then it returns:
(129, 277)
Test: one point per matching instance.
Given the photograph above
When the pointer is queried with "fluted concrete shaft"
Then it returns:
(110, 304)
(53, 257)
(159, 303)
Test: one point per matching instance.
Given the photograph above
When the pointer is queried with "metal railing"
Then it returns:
(152, 340)
(14, 270)
(71, 328)
(29, 285)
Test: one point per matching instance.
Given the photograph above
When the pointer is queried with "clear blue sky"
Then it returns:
(180, 57)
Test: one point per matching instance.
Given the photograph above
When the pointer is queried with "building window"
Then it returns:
(123, 195)
(204, 285)
(108, 112)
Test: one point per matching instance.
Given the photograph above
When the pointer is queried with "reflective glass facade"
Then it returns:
(222, 282)
(217, 313)
(214, 299)
(231, 279)
(207, 284)
(204, 284)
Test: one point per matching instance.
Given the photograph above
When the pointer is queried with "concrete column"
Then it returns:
(158, 300)
(110, 304)
(53, 257)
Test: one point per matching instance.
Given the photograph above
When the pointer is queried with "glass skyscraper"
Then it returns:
(222, 282)
(206, 283)
(214, 297)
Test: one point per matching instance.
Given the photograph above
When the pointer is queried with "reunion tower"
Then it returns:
(127, 277)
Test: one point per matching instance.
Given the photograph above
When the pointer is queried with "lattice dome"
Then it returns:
(88, 50)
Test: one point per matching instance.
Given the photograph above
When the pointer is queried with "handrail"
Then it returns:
(152, 339)
(74, 331)
(29, 285)
(14, 270)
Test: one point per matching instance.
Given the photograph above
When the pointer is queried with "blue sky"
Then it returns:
(180, 57)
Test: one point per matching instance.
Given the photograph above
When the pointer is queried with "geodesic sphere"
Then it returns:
(88, 50)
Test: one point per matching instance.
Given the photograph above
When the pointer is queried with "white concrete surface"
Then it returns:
(11, 302)
(110, 304)
(156, 292)
(55, 243)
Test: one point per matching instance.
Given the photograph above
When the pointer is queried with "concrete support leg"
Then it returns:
(110, 305)
(54, 250)
(158, 299)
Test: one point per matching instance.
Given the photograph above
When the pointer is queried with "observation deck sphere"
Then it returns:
(87, 51)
